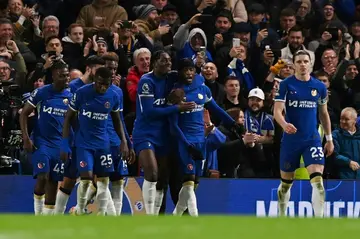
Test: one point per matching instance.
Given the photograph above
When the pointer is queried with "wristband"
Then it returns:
(65, 147)
(329, 137)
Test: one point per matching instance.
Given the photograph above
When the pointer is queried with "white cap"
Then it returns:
(257, 92)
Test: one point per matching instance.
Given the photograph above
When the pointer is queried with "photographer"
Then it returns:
(10, 103)
(52, 55)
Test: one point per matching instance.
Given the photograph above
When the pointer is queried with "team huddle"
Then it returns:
(80, 133)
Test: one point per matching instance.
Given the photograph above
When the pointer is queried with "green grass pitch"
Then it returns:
(219, 227)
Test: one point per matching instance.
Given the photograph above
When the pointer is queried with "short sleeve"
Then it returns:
(208, 96)
(323, 95)
(116, 104)
(145, 88)
(75, 102)
(281, 92)
(121, 100)
(35, 98)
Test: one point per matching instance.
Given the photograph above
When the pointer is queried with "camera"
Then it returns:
(10, 132)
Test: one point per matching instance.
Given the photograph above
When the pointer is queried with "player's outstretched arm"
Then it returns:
(26, 111)
(148, 109)
(219, 112)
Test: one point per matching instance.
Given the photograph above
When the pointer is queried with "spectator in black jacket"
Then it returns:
(73, 49)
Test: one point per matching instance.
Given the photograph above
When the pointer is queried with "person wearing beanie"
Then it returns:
(148, 21)
(169, 16)
(100, 14)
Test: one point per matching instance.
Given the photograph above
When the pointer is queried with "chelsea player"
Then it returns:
(189, 128)
(302, 97)
(70, 170)
(150, 133)
(94, 102)
(120, 166)
(51, 102)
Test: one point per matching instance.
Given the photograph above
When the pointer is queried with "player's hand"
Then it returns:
(329, 148)
(354, 165)
(132, 157)
(28, 145)
(186, 106)
(124, 149)
(289, 128)
(195, 153)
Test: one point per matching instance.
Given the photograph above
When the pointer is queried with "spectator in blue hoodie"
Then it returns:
(189, 43)
(347, 145)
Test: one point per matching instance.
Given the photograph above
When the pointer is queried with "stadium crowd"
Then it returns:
(242, 48)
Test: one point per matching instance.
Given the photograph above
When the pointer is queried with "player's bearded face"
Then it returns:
(255, 104)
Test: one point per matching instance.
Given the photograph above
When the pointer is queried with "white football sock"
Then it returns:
(158, 201)
(103, 194)
(48, 210)
(39, 204)
(82, 192)
(284, 194)
(91, 193)
(191, 200)
(149, 192)
(318, 196)
(61, 202)
(110, 210)
(117, 192)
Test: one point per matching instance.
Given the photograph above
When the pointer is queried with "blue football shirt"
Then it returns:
(301, 103)
(93, 113)
(151, 109)
(51, 108)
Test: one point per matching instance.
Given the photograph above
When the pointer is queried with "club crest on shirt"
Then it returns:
(190, 166)
(82, 164)
(107, 104)
(314, 92)
(145, 88)
(66, 101)
(200, 96)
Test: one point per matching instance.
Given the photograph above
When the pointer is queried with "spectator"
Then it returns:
(189, 43)
(7, 34)
(100, 14)
(233, 98)
(347, 145)
(148, 22)
(26, 21)
(142, 59)
(73, 47)
(50, 27)
(210, 74)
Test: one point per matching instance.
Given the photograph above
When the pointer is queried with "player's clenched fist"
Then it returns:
(289, 128)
